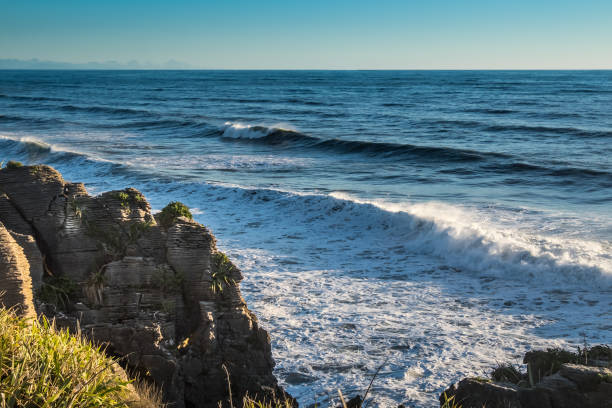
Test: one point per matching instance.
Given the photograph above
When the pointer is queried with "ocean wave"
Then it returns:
(287, 137)
(152, 124)
(33, 150)
(105, 110)
(31, 98)
(466, 239)
(500, 163)
(31, 120)
(491, 111)
(571, 131)
(559, 175)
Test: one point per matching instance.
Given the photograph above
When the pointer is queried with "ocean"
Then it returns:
(436, 223)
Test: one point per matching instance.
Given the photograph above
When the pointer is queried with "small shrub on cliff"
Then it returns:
(12, 164)
(507, 373)
(128, 196)
(124, 198)
(222, 268)
(41, 366)
(172, 211)
(58, 291)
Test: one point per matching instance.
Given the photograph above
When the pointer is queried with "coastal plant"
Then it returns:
(149, 395)
(127, 197)
(110, 238)
(449, 402)
(248, 402)
(138, 228)
(507, 373)
(95, 286)
(42, 366)
(124, 198)
(222, 269)
(12, 164)
(167, 280)
(58, 291)
(172, 211)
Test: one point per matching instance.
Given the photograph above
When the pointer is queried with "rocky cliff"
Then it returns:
(554, 379)
(154, 289)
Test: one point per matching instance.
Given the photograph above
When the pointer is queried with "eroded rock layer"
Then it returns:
(162, 297)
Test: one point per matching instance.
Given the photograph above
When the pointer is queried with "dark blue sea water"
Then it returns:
(443, 220)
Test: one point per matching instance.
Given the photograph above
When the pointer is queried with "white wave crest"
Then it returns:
(246, 131)
(472, 240)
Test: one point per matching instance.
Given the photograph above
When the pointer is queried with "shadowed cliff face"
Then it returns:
(162, 297)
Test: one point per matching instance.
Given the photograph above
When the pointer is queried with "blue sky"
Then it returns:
(382, 34)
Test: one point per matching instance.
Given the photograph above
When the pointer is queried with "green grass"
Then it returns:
(449, 402)
(172, 211)
(41, 366)
(127, 197)
(248, 402)
(222, 268)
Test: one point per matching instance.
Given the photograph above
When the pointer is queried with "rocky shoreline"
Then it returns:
(552, 378)
(155, 290)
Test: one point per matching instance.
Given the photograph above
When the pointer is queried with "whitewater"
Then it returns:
(398, 219)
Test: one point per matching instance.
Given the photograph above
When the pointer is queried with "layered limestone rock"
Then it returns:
(569, 386)
(162, 297)
(15, 281)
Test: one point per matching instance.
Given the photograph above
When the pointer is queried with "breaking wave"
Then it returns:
(464, 238)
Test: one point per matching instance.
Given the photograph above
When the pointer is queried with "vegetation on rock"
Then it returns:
(41, 366)
(12, 164)
(248, 402)
(222, 268)
(110, 269)
(167, 280)
(172, 211)
(58, 291)
(507, 373)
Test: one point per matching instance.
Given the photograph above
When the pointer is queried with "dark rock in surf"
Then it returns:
(563, 384)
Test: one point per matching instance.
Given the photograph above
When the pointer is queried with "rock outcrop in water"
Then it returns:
(162, 297)
(553, 382)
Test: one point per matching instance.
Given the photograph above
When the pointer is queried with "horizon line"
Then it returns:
(306, 69)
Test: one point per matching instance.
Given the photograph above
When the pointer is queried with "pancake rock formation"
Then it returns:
(155, 290)
(555, 379)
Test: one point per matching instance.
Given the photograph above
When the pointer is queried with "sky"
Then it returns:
(312, 34)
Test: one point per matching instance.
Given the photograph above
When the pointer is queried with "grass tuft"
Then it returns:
(41, 366)
(248, 402)
(222, 268)
(507, 373)
(449, 402)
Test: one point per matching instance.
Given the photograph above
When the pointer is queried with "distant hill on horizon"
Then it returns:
(35, 63)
